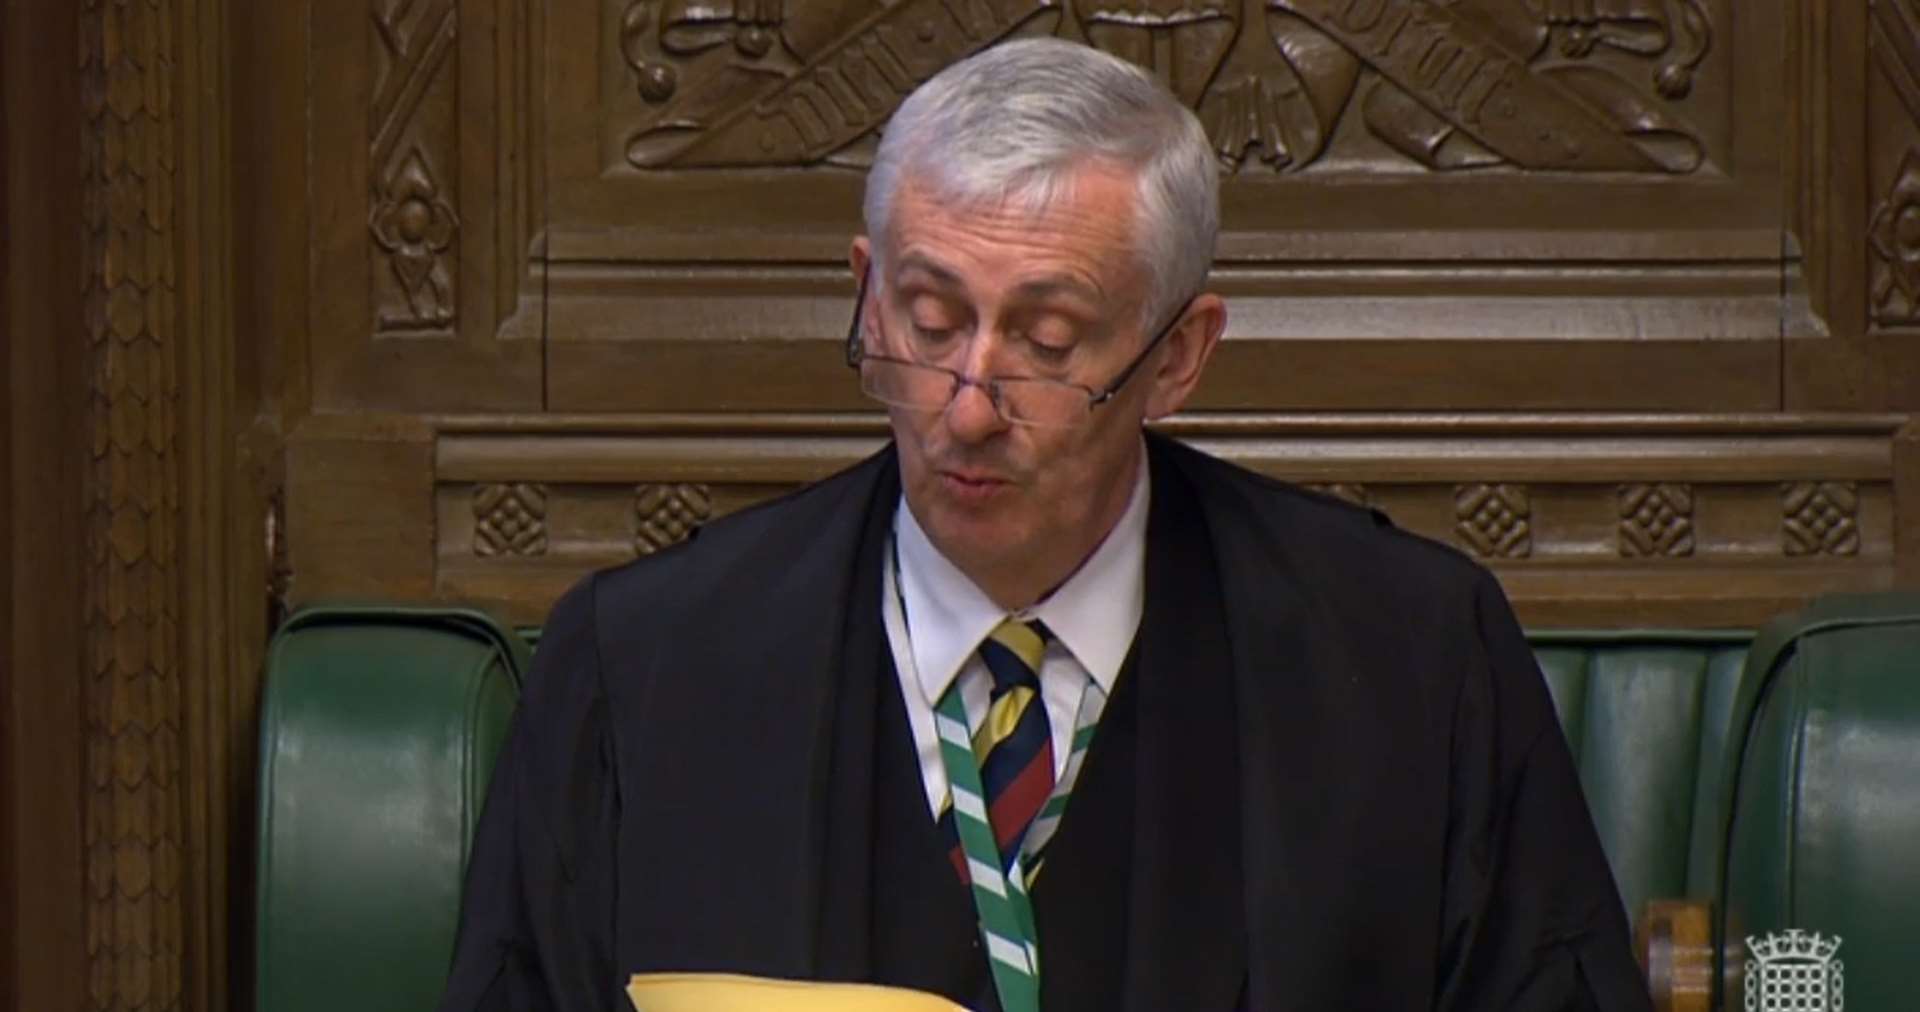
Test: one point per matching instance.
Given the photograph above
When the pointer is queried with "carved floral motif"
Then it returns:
(415, 225)
(412, 217)
(1895, 238)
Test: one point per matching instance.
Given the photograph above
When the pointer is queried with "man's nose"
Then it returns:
(972, 415)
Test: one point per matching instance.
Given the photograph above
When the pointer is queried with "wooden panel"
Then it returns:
(424, 214)
(765, 338)
(359, 509)
(1601, 520)
(43, 934)
(1429, 259)
(1856, 143)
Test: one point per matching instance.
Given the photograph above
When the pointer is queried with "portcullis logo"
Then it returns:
(1794, 971)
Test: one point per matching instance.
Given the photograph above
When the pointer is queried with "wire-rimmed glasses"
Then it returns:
(1020, 400)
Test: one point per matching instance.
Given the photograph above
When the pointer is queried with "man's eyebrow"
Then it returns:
(1033, 288)
(915, 261)
(1069, 284)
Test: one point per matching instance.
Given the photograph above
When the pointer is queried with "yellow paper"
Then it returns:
(728, 992)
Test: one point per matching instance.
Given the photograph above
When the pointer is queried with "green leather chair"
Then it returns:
(1646, 714)
(378, 733)
(380, 727)
(1821, 796)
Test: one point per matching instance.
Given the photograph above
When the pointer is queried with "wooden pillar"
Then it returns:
(171, 630)
(42, 933)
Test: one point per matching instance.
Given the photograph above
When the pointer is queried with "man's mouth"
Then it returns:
(973, 486)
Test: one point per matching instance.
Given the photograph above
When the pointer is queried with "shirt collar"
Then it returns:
(1094, 614)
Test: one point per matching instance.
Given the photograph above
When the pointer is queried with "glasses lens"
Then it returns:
(1043, 403)
(1036, 402)
(905, 385)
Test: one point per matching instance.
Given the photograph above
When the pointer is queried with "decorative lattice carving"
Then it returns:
(1820, 518)
(510, 519)
(1496, 521)
(414, 117)
(133, 817)
(666, 514)
(1459, 84)
(1656, 520)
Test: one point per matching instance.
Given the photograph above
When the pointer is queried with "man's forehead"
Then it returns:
(1080, 241)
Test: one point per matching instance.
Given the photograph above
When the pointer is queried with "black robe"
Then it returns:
(1331, 778)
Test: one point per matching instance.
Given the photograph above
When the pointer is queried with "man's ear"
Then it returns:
(859, 257)
(1183, 355)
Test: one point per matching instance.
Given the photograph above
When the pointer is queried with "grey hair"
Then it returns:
(1015, 121)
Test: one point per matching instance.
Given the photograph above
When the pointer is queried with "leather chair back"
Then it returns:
(378, 733)
(1646, 714)
(380, 727)
(1822, 828)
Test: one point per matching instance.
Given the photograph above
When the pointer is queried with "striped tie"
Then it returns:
(1000, 777)
(1015, 744)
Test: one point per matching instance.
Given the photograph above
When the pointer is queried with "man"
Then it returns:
(1032, 709)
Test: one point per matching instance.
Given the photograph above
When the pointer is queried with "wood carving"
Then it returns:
(1820, 518)
(1656, 521)
(1894, 233)
(412, 218)
(510, 519)
(666, 514)
(1528, 84)
(133, 816)
(798, 82)
(1496, 521)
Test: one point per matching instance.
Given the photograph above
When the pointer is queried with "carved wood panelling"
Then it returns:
(1656, 520)
(133, 814)
(510, 519)
(666, 514)
(1494, 521)
(414, 149)
(704, 179)
(1894, 230)
(1588, 521)
(1820, 518)
(1570, 87)
(422, 130)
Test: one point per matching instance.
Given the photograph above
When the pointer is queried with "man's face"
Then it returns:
(1001, 291)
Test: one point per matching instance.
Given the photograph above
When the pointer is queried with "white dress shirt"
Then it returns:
(936, 618)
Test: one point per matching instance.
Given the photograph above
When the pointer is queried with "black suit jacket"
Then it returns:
(1348, 787)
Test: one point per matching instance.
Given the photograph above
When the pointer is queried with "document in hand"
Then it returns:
(726, 992)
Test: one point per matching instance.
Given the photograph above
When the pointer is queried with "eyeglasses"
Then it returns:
(1019, 400)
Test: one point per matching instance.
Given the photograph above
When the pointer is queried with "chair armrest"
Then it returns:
(1674, 942)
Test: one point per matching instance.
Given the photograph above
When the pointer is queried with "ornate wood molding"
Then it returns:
(424, 193)
(136, 838)
(1596, 520)
(1568, 88)
(174, 630)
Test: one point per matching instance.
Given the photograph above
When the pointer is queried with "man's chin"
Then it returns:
(971, 541)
